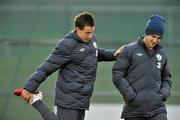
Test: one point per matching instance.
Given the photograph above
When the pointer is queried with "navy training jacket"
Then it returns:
(77, 65)
(141, 76)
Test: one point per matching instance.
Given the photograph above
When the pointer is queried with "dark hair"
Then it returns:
(84, 19)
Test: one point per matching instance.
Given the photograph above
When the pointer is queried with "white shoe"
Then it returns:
(36, 97)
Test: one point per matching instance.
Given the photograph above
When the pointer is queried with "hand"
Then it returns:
(26, 95)
(161, 95)
(119, 51)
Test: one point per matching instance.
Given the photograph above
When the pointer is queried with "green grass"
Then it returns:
(19, 62)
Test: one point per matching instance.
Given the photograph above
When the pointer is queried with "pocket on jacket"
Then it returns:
(155, 100)
(137, 105)
(154, 97)
(71, 86)
(139, 99)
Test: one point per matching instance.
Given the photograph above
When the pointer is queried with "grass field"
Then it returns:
(18, 62)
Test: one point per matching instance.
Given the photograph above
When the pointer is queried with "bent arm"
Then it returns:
(166, 82)
(106, 55)
(119, 71)
(59, 56)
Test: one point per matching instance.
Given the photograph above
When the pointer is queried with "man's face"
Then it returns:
(86, 33)
(151, 40)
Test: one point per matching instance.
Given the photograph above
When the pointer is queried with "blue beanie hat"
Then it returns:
(155, 26)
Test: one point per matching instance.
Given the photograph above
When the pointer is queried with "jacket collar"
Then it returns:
(77, 37)
(149, 52)
(141, 42)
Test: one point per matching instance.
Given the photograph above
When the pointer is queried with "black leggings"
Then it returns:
(62, 113)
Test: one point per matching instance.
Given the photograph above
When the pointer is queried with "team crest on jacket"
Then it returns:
(95, 45)
(158, 63)
(159, 57)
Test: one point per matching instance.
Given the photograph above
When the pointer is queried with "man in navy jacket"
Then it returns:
(142, 76)
(76, 57)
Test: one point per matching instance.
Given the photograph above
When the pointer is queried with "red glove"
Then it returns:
(18, 91)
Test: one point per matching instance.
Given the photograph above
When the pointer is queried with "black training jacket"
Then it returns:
(77, 65)
(140, 76)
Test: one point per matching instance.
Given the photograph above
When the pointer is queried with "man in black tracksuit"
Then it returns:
(76, 57)
(142, 76)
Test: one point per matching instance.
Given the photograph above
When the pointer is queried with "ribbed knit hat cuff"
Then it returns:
(153, 32)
